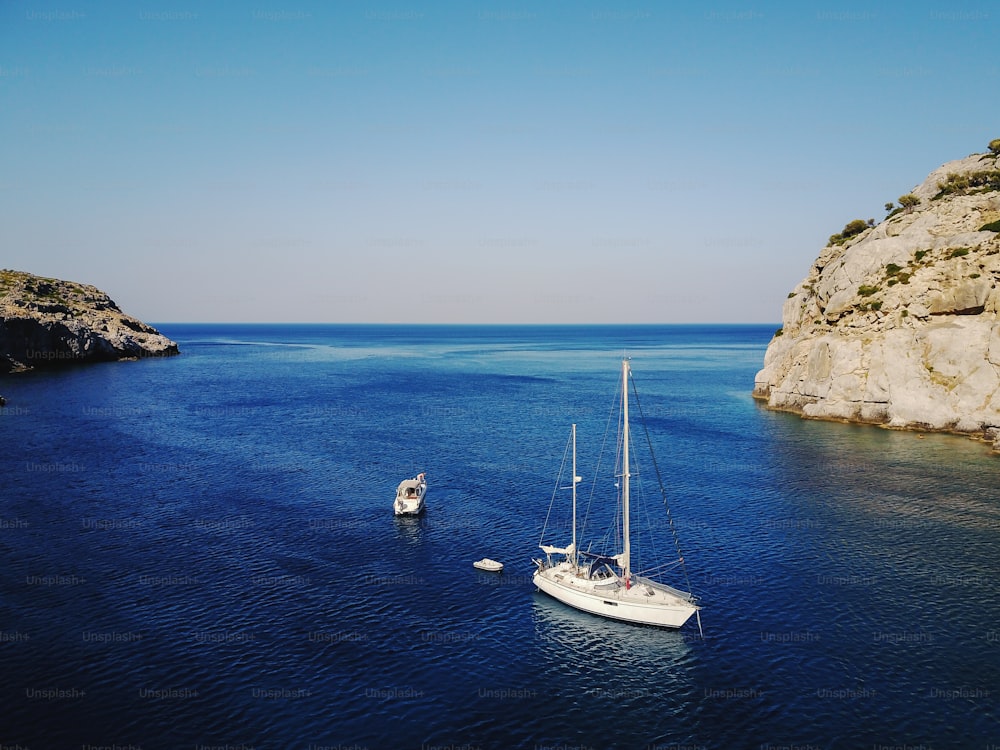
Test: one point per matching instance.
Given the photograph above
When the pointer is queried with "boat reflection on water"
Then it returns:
(410, 529)
(642, 662)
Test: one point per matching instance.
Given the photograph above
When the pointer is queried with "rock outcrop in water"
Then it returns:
(898, 324)
(49, 323)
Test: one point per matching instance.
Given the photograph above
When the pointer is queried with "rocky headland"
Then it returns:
(46, 323)
(898, 323)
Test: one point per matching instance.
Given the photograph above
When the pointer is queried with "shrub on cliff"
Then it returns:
(900, 278)
(961, 184)
(852, 229)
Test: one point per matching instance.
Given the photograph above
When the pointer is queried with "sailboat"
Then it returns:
(604, 584)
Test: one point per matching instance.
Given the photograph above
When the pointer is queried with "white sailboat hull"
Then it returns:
(645, 602)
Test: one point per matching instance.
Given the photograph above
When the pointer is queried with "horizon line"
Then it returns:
(397, 323)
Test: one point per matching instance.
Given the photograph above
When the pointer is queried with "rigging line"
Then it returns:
(600, 460)
(646, 545)
(555, 490)
(659, 479)
(658, 569)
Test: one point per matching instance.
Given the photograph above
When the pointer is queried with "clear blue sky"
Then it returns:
(549, 162)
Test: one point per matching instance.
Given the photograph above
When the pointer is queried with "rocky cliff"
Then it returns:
(49, 323)
(898, 324)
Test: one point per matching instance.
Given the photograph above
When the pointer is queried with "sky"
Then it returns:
(471, 162)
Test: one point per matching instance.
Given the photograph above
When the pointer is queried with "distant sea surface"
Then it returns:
(200, 552)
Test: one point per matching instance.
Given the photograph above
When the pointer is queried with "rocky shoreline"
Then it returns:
(49, 323)
(898, 323)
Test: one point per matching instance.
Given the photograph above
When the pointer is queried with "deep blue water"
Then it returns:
(200, 552)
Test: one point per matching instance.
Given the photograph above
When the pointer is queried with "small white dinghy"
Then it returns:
(487, 564)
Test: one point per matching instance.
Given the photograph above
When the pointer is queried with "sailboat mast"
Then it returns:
(627, 547)
(575, 480)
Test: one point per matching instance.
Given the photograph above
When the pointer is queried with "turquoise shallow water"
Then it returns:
(201, 551)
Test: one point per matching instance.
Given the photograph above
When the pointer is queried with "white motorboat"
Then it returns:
(410, 496)
(605, 583)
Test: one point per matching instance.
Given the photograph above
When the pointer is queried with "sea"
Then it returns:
(200, 552)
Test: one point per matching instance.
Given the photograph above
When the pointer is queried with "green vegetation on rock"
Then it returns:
(974, 182)
(895, 274)
(851, 229)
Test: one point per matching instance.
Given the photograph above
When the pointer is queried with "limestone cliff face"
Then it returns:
(49, 323)
(899, 325)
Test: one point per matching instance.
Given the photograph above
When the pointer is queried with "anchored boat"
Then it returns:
(410, 496)
(605, 583)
